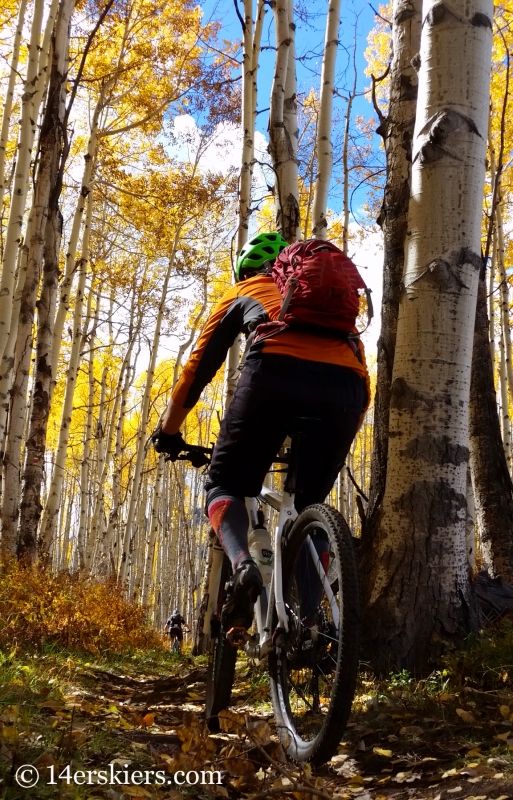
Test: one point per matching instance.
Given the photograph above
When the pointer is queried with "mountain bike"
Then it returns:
(307, 620)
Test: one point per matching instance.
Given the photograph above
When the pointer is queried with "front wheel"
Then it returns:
(222, 658)
(314, 666)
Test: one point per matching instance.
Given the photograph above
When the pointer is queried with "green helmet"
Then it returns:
(259, 249)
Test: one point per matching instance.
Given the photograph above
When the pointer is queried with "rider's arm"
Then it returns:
(173, 417)
(230, 317)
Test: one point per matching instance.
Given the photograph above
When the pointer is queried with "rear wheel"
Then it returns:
(222, 658)
(314, 666)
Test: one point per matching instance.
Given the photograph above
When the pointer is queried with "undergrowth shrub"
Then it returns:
(487, 659)
(77, 611)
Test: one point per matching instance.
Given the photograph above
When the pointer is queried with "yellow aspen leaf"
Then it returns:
(449, 773)
(474, 752)
(230, 722)
(466, 716)
(194, 696)
(503, 736)
(238, 766)
(9, 734)
(259, 730)
(505, 711)
(380, 752)
(356, 780)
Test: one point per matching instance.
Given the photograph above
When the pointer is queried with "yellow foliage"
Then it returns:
(37, 605)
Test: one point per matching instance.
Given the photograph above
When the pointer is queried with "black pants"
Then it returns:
(272, 392)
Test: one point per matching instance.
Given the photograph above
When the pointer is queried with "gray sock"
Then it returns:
(229, 518)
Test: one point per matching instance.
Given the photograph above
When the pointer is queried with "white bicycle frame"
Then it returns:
(260, 645)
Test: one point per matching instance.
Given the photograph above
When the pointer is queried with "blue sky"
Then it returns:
(309, 40)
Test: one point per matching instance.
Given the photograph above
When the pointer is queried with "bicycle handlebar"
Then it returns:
(196, 454)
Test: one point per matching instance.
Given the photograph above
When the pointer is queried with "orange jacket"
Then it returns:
(244, 306)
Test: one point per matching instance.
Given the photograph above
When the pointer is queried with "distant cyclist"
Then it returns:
(173, 627)
(298, 370)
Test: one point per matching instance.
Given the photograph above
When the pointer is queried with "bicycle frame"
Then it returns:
(260, 647)
(284, 505)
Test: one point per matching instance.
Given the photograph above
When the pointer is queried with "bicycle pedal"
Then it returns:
(237, 636)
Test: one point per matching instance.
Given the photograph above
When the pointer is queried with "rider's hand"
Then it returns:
(170, 443)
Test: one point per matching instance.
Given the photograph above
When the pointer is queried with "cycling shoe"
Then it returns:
(243, 590)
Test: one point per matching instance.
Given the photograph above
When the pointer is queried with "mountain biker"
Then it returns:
(295, 373)
(173, 626)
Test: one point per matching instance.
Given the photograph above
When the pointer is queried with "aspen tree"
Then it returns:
(504, 399)
(282, 131)
(9, 96)
(85, 467)
(49, 519)
(492, 484)
(7, 362)
(50, 146)
(72, 245)
(127, 538)
(324, 146)
(397, 131)
(150, 551)
(35, 83)
(251, 51)
(491, 480)
(418, 590)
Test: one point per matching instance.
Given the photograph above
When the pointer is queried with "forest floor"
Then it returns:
(449, 736)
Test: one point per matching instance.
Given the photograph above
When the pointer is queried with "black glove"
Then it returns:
(170, 443)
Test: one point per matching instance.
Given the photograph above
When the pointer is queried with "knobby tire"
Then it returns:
(310, 730)
(221, 664)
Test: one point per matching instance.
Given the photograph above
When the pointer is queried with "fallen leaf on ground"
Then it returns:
(466, 716)
(380, 752)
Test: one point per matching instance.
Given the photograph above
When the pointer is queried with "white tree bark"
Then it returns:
(504, 394)
(282, 129)
(49, 518)
(9, 96)
(150, 552)
(85, 466)
(70, 266)
(142, 433)
(32, 259)
(7, 363)
(34, 87)
(324, 146)
(420, 582)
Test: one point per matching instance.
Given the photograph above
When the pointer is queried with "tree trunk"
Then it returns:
(493, 488)
(49, 520)
(9, 95)
(283, 140)
(45, 250)
(397, 131)
(417, 590)
(31, 99)
(141, 433)
(324, 145)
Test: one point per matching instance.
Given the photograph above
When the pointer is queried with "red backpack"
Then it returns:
(319, 288)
